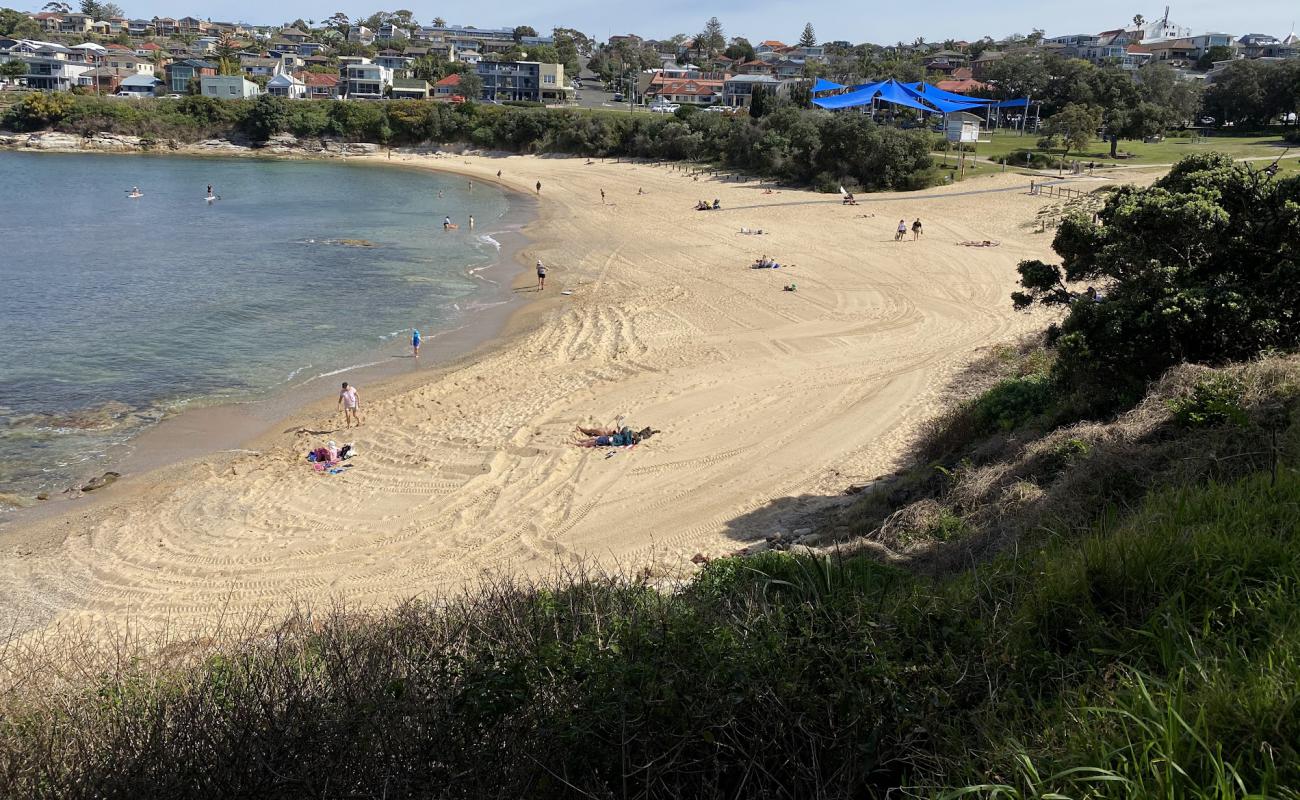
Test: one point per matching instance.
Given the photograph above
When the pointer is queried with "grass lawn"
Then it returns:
(1166, 152)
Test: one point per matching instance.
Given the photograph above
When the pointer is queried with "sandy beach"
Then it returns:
(769, 402)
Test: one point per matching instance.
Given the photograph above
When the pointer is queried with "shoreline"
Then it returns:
(231, 426)
(770, 403)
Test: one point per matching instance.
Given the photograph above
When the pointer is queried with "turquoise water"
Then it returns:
(117, 311)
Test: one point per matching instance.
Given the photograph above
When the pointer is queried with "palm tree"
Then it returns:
(439, 22)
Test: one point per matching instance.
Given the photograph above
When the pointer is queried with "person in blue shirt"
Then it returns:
(415, 341)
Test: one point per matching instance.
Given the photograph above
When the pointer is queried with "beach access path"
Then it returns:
(768, 402)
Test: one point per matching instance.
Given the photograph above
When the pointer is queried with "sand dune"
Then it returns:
(766, 400)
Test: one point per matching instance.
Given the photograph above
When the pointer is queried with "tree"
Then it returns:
(12, 70)
(9, 19)
(524, 30)
(110, 10)
(26, 29)
(1018, 76)
(808, 38)
(439, 22)
(91, 7)
(711, 39)
(1200, 267)
(227, 53)
(471, 86)
(339, 22)
(1124, 115)
(1076, 125)
(57, 8)
(1139, 20)
(740, 49)
(1220, 52)
(1253, 92)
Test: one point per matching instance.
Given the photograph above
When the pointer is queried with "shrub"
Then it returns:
(1213, 402)
(1014, 402)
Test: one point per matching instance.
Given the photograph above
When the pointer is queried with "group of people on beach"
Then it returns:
(448, 225)
(902, 230)
(703, 205)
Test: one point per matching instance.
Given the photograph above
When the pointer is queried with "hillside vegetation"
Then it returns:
(1088, 585)
(805, 147)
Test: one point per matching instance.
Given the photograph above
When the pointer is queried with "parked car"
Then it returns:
(1207, 120)
(618, 97)
(717, 110)
(664, 108)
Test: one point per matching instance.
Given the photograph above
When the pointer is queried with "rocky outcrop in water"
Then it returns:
(284, 144)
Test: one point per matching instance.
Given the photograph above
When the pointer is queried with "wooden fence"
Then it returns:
(1052, 190)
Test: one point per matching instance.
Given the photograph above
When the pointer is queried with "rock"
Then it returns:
(14, 501)
(107, 479)
(43, 496)
(219, 145)
(699, 558)
(114, 142)
(859, 488)
(803, 550)
(798, 532)
(53, 140)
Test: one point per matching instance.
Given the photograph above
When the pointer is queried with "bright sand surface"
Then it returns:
(768, 402)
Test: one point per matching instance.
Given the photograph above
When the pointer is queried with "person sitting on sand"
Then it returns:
(702, 205)
(790, 287)
(848, 200)
(613, 437)
(717, 205)
(446, 223)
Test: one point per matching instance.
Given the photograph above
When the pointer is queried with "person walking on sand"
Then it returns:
(541, 275)
(902, 230)
(350, 404)
(539, 187)
(415, 341)
(916, 229)
(602, 197)
(498, 173)
(471, 222)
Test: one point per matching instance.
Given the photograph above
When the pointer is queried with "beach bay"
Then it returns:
(769, 402)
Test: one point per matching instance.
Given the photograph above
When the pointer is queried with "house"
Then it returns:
(629, 38)
(754, 67)
(48, 71)
(694, 91)
(1261, 45)
(227, 86)
(814, 52)
(367, 81)
(962, 86)
(981, 65)
(148, 50)
(286, 85)
(447, 89)
(410, 89)
(191, 26)
(360, 34)
(291, 62)
(398, 62)
(554, 88)
(738, 90)
(76, 24)
(139, 28)
(445, 50)
(391, 33)
(102, 80)
(140, 85)
(471, 57)
(48, 21)
(254, 66)
(786, 69)
(165, 26)
(320, 86)
(770, 46)
(317, 61)
(294, 35)
(128, 62)
(1158, 30)
(510, 80)
(1177, 51)
(180, 73)
(309, 49)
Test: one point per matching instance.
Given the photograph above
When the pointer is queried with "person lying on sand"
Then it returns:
(611, 437)
(984, 243)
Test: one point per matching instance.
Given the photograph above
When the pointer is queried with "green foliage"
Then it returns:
(1076, 125)
(1201, 267)
(1014, 403)
(1217, 401)
(1252, 92)
(268, 116)
(1155, 656)
(40, 109)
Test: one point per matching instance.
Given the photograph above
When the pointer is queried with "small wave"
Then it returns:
(296, 372)
(345, 369)
(487, 239)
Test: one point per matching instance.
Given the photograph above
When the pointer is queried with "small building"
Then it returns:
(394, 60)
(392, 33)
(510, 80)
(320, 86)
(254, 66)
(360, 34)
(127, 62)
(738, 90)
(410, 89)
(309, 49)
(294, 35)
(286, 85)
(140, 85)
(368, 81)
(554, 88)
(447, 90)
(228, 87)
(180, 73)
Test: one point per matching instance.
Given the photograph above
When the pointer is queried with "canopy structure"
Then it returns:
(921, 96)
(823, 85)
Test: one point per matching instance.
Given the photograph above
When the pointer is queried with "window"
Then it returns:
(234, 90)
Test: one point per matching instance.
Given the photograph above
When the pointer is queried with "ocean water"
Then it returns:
(116, 311)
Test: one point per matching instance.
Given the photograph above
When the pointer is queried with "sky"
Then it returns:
(757, 20)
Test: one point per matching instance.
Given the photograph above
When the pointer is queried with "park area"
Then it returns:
(1264, 147)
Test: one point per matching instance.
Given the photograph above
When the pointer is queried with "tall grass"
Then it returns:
(1156, 655)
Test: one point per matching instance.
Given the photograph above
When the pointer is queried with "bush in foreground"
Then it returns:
(1158, 656)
